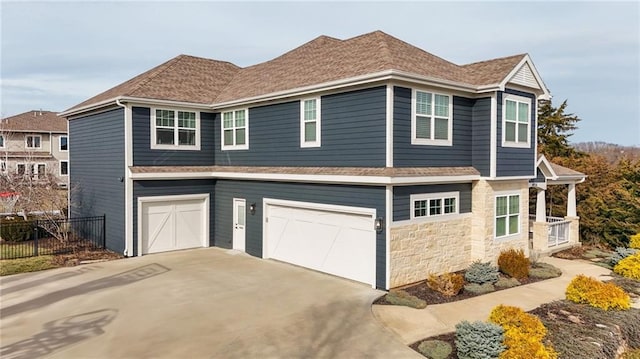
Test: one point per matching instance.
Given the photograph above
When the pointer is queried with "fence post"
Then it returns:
(104, 231)
(35, 240)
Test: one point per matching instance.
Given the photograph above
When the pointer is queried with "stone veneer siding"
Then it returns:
(429, 247)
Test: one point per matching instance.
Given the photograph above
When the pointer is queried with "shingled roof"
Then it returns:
(34, 121)
(322, 60)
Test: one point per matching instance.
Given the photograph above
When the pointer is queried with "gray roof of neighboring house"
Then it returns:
(322, 60)
(34, 121)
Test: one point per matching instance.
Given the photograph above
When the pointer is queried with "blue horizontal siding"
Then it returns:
(481, 143)
(255, 192)
(96, 154)
(143, 155)
(352, 133)
(402, 195)
(513, 161)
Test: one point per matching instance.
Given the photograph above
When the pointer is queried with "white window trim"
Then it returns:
(60, 143)
(317, 142)
(224, 147)
(428, 196)
(60, 168)
(517, 99)
(4, 141)
(26, 142)
(495, 205)
(175, 146)
(430, 142)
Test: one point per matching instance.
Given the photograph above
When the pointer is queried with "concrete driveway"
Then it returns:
(204, 303)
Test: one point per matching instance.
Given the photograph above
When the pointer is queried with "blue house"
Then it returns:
(366, 158)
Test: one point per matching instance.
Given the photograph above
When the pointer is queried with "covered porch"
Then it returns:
(550, 234)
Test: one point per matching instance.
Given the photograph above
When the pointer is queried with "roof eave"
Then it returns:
(130, 99)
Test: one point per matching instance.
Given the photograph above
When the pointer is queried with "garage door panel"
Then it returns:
(172, 225)
(190, 224)
(333, 242)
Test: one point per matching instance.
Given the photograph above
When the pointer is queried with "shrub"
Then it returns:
(449, 284)
(481, 273)
(479, 340)
(619, 254)
(634, 241)
(479, 288)
(523, 333)
(514, 264)
(544, 271)
(15, 230)
(507, 283)
(629, 267)
(435, 349)
(400, 297)
(587, 290)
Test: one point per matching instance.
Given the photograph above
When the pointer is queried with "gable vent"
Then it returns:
(525, 77)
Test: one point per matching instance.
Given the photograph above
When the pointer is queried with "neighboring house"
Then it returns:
(366, 158)
(35, 144)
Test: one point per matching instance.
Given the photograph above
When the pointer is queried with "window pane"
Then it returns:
(310, 131)
(64, 143)
(523, 112)
(228, 137)
(435, 207)
(240, 118)
(423, 127)
(41, 170)
(442, 106)
(164, 136)
(241, 214)
(21, 169)
(1, 141)
(420, 208)
(501, 226)
(522, 132)
(187, 119)
(64, 167)
(240, 136)
(187, 137)
(510, 112)
(227, 121)
(514, 204)
(36, 141)
(449, 205)
(510, 131)
(513, 224)
(310, 110)
(442, 129)
(165, 118)
(501, 206)
(423, 103)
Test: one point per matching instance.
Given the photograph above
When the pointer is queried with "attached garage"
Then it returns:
(338, 240)
(169, 223)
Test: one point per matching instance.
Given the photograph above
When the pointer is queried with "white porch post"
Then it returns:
(571, 201)
(541, 206)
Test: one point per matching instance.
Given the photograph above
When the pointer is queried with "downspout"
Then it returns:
(126, 242)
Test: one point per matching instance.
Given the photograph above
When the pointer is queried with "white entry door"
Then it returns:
(239, 219)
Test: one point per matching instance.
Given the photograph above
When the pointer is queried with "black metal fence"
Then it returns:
(21, 239)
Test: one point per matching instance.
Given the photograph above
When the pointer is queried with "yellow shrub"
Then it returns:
(449, 284)
(514, 264)
(634, 241)
(523, 334)
(629, 267)
(583, 289)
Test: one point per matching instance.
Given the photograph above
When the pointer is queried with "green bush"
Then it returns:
(479, 340)
(619, 254)
(400, 297)
(15, 230)
(507, 283)
(514, 264)
(435, 349)
(481, 273)
(476, 288)
(544, 271)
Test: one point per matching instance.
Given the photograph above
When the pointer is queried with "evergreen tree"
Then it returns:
(554, 129)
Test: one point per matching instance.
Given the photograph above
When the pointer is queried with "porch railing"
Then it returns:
(558, 230)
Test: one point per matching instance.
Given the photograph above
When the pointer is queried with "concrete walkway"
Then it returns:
(412, 325)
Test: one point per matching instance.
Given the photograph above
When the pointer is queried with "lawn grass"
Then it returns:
(20, 250)
(22, 265)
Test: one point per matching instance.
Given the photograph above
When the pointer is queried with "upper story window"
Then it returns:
(434, 204)
(235, 130)
(507, 215)
(33, 141)
(175, 129)
(516, 121)
(2, 141)
(431, 119)
(64, 143)
(310, 122)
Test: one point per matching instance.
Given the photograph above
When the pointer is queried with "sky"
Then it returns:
(55, 55)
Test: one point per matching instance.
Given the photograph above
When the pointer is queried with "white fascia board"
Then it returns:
(135, 101)
(545, 166)
(362, 180)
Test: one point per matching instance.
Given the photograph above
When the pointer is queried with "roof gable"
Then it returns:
(525, 74)
(34, 121)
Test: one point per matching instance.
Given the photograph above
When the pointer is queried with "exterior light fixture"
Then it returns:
(379, 224)
(252, 208)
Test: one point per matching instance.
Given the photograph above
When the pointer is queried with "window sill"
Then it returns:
(175, 148)
(234, 148)
(423, 142)
(515, 144)
(310, 145)
(509, 237)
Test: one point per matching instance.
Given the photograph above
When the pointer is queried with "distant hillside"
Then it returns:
(612, 152)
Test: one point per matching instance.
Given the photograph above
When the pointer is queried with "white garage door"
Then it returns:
(172, 224)
(332, 239)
